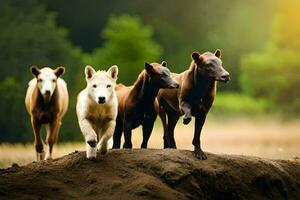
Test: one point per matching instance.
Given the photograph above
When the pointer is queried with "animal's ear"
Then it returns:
(218, 53)
(149, 69)
(113, 71)
(89, 72)
(197, 57)
(59, 71)
(164, 63)
(35, 70)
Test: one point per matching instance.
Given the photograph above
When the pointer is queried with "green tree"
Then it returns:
(128, 44)
(181, 27)
(12, 120)
(274, 73)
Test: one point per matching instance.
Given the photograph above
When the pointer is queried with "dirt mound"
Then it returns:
(152, 174)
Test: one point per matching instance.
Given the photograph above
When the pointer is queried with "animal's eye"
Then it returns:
(40, 80)
(94, 86)
(53, 80)
(108, 86)
(165, 75)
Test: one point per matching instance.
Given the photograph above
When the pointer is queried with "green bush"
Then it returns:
(231, 104)
(274, 75)
(13, 121)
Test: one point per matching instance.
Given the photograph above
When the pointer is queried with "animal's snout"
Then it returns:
(101, 99)
(47, 92)
(226, 76)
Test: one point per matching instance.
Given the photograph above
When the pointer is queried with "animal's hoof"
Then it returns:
(127, 146)
(92, 143)
(40, 156)
(91, 153)
(201, 156)
(48, 158)
(186, 120)
(199, 153)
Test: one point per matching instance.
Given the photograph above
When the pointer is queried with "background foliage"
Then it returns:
(128, 44)
(274, 72)
(259, 39)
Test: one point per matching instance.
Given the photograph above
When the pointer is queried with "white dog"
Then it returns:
(97, 109)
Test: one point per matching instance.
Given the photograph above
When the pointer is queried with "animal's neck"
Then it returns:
(200, 81)
(146, 90)
(150, 90)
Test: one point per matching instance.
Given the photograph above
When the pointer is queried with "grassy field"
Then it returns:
(265, 139)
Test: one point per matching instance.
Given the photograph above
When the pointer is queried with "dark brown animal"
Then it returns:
(46, 102)
(194, 97)
(137, 103)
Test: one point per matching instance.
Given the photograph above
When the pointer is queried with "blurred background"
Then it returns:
(256, 113)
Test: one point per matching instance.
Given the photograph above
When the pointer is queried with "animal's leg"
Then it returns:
(107, 132)
(38, 143)
(56, 136)
(127, 135)
(90, 138)
(117, 135)
(147, 130)
(186, 108)
(199, 122)
(163, 117)
(48, 141)
(172, 121)
(52, 135)
(91, 152)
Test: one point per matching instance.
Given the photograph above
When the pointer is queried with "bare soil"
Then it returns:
(152, 174)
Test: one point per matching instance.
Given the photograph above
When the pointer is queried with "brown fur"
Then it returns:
(194, 97)
(119, 86)
(137, 104)
(50, 114)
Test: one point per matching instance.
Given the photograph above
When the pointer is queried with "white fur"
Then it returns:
(46, 81)
(96, 119)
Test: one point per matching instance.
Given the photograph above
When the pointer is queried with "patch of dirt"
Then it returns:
(152, 174)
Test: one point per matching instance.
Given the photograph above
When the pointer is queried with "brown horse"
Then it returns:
(194, 97)
(138, 104)
(46, 102)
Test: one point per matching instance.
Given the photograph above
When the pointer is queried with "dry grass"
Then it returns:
(265, 139)
(25, 153)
